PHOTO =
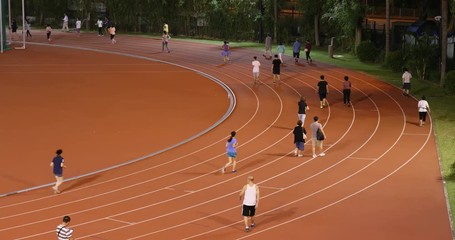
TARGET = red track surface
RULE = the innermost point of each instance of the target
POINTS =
(379, 180)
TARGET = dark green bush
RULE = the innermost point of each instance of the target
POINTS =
(450, 82)
(366, 51)
(396, 60)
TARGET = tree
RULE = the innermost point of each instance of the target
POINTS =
(443, 36)
(312, 13)
(346, 17)
(387, 28)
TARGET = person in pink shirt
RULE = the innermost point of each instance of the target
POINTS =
(112, 33)
(165, 41)
(347, 91)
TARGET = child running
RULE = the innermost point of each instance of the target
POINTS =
(231, 150)
(78, 27)
(28, 27)
(225, 53)
(48, 32)
(112, 33)
(57, 165)
(165, 41)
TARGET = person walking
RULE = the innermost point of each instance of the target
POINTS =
(57, 164)
(99, 24)
(250, 196)
(296, 50)
(28, 28)
(231, 150)
(63, 232)
(276, 69)
(406, 77)
(65, 23)
(424, 108)
(299, 139)
(256, 64)
(48, 32)
(111, 31)
(308, 50)
(280, 49)
(78, 27)
(316, 138)
(14, 29)
(225, 53)
(303, 107)
(323, 90)
(268, 47)
(347, 91)
(165, 41)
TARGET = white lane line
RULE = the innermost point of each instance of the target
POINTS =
(275, 188)
(364, 158)
(415, 134)
(120, 221)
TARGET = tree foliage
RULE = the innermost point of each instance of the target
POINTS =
(230, 19)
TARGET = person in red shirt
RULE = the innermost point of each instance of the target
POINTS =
(308, 50)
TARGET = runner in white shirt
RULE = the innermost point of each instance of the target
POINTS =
(423, 107)
(406, 81)
(256, 64)
(99, 24)
(250, 195)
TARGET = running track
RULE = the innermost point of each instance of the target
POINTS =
(380, 178)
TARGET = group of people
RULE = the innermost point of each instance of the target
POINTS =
(108, 27)
(277, 58)
(14, 28)
(250, 192)
(281, 49)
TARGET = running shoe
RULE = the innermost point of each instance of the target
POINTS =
(322, 154)
(247, 229)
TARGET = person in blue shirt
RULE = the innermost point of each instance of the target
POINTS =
(231, 151)
(57, 165)
(296, 50)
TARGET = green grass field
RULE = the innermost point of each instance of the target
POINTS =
(441, 104)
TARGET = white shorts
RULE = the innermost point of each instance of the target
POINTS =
(255, 74)
(302, 117)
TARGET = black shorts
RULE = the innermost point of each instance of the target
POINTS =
(322, 95)
(407, 86)
(423, 116)
(248, 211)
(296, 54)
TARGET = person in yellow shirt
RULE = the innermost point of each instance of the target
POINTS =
(166, 28)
